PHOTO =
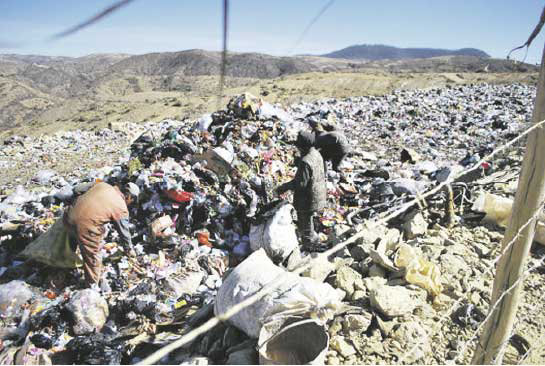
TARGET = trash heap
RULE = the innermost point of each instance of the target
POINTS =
(207, 232)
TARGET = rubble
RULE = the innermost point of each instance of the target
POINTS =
(392, 301)
(415, 225)
(207, 191)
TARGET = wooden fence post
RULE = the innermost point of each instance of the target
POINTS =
(528, 199)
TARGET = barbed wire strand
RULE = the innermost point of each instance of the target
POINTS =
(495, 305)
(527, 317)
(91, 20)
(223, 66)
(156, 356)
(489, 269)
(310, 24)
(536, 31)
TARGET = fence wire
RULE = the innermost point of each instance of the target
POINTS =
(489, 270)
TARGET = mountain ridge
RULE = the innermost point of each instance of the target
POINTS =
(374, 52)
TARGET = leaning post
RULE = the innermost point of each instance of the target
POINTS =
(528, 200)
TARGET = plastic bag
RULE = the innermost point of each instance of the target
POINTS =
(53, 248)
(95, 349)
(498, 211)
(419, 271)
(294, 297)
(276, 235)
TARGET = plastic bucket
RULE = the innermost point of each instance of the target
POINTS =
(303, 342)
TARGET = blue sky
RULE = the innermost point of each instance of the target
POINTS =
(273, 27)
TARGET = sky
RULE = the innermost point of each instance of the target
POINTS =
(272, 27)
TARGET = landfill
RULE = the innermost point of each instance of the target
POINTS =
(208, 207)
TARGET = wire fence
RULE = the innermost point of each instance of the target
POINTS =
(475, 334)
(383, 219)
(488, 270)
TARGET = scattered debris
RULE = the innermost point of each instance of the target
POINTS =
(208, 232)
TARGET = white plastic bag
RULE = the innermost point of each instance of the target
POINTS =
(498, 211)
(276, 235)
(294, 297)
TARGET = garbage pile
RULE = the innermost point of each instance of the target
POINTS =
(209, 231)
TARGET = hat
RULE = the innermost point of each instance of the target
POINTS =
(133, 189)
(304, 140)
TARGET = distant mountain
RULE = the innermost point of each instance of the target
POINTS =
(382, 52)
(99, 87)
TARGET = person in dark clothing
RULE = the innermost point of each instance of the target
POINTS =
(309, 187)
(85, 221)
(332, 144)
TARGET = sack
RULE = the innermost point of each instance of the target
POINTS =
(53, 248)
(294, 297)
(276, 233)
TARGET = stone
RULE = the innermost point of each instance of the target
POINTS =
(336, 326)
(376, 271)
(89, 311)
(320, 269)
(411, 335)
(452, 265)
(360, 252)
(333, 361)
(414, 225)
(357, 323)
(392, 301)
(348, 279)
(339, 344)
(371, 283)
(358, 295)
(385, 326)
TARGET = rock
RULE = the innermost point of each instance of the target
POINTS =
(452, 265)
(247, 356)
(392, 300)
(343, 347)
(358, 295)
(320, 269)
(357, 323)
(89, 311)
(360, 252)
(333, 361)
(371, 283)
(385, 326)
(412, 335)
(13, 295)
(380, 258)
(348, 280)
(335, 326)
(376, 271)
(414, 225)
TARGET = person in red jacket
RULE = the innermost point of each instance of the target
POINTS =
(85, 221)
